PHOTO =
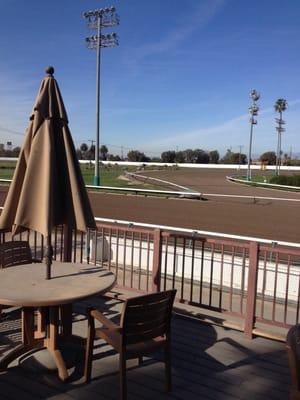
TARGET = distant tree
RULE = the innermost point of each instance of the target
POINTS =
(287, 159)
(201, 156)
(234, 158)
(168, 156)
(280, 106)
(180, 157)
(84, 147)
(137, 156)
(189, 155)
(15, 152)
(227, 157)
(269, 158)
(79, 154)
(295, 162)
(103, 152)
(155, 159)
(90, 153)
(82, 151)
(112, 157)
(214, 156)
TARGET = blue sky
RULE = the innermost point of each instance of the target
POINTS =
(180, 78)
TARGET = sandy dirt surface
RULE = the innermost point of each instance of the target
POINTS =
(214, 181)
(270, 219)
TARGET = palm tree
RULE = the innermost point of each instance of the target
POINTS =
(280, 106)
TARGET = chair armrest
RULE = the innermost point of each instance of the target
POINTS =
(107, 323)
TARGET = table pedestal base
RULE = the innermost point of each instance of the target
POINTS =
(53, 329)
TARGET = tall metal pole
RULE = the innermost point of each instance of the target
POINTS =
(278, 149)
(279, 129)
(280, 106)
(96, 179)
(249, 154)
(253, 112)
(240, 156)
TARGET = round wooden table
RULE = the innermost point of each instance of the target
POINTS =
(26, 286)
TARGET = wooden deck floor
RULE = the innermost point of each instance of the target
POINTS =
(208, 363)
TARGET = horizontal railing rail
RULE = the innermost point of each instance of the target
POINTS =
(263, 184)
(156, 181)
(144, 191)
(198, 232)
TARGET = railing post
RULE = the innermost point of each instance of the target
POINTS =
(251, 290)
(67, 253)
(156, 270)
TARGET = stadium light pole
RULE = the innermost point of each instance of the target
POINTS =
(279, 128)
(253, 109)
(99, 19)
(240, 155)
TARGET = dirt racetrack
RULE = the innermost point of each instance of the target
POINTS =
(270, 219)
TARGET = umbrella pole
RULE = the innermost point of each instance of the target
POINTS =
(48, 257)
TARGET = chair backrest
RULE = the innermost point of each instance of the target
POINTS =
(14, 253)
(147, 317)
(293, 347)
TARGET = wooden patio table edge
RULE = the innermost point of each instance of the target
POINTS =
(57, 316)
(53, 284)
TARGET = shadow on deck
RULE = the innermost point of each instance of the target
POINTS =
(208, 362)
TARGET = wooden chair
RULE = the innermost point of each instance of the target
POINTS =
(144, 329)
(293, 349)
(14, 253)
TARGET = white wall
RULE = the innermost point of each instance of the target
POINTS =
(183, 165)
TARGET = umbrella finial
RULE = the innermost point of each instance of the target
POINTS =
(49, 71)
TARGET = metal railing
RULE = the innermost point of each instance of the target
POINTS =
(259, 283)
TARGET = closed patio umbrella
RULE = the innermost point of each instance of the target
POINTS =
(47, 188)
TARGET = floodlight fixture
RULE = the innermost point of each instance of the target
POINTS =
(108, 40)
(254, 95)
(106, 16)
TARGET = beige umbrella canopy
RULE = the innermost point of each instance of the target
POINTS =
(47, 188)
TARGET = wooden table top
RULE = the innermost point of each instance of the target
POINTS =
(25, 285)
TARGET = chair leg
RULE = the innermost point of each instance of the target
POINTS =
(123, 383)
(89, 349)
(140, 360)
(168, 371)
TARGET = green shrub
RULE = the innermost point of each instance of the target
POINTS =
(293, 180)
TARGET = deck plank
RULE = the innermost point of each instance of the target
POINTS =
(208, 362)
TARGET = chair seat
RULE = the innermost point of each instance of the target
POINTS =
(144, 348)
(114, 338)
